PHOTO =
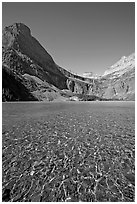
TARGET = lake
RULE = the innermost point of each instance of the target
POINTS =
(85, 149)
(14, 112)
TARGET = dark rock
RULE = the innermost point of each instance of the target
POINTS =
(6, 195)
(13, 88)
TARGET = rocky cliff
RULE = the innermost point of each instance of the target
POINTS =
(30, 73)
(118, 82)
(24, 54)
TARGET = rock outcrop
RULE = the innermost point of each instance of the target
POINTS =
(24, 54)
(29, 69)
(118, 82)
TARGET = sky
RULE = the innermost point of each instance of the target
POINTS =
(80, 36)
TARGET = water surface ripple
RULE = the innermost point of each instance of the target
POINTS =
(75, 151)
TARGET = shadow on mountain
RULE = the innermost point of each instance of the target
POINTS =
(13, 88)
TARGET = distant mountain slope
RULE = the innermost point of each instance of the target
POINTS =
(30, 73)
(121, 79)
(123, 65)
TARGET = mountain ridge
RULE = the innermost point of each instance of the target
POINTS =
(45, 80)
(121, 64)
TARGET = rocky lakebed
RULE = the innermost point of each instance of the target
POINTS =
(71, 151)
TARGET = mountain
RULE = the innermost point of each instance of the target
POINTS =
(121, 79)
(123, 65)
(117, 83)
(30, 73)
(24, 54)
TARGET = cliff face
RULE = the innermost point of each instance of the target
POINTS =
(121, 86)
(24, 54)
(31, 70)
(118, 82)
